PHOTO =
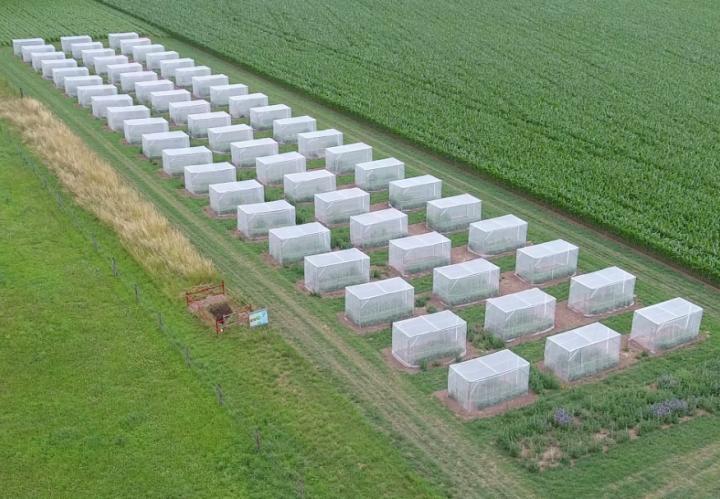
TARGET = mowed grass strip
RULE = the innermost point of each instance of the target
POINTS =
(97, 401)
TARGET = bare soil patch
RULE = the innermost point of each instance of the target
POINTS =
(460, 254)
(218, 216)
(510, 283)
(379, 206)
(185, 193)
(416, 229)
(488, 412)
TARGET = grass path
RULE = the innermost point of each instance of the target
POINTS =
(438, 439)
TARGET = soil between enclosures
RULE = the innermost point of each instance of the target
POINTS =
(488, 412)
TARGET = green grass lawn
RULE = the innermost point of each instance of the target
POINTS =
(97, 401)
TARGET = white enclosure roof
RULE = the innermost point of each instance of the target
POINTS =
(341, 194)
(583, 336)
(503, 222)
(380, 163)
(280, 205)
(235, 186)
(661, 313)
(415, 181)
(601, 278)
(378, 288)
(274, 158)
(489, 366)
(522, 299)
(341, 256)
(374, 217)
(452, 201)
(464, 269)
(292, 231)
(430, 323)
(418, 241)
(308, 175)
(548, 249)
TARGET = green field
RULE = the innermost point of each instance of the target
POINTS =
(458, 459)
(98, 401)
(604, 109)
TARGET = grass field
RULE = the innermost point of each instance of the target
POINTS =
(463, 458)
(606, 110)
(97, 401)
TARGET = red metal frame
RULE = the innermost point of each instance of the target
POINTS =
(201, 293)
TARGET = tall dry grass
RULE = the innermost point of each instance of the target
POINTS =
(146, 234)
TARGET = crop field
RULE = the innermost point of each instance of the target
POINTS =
(606, 110)
(386, 432)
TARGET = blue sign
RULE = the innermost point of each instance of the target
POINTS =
(258, 318)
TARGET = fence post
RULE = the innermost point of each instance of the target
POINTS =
(137, 293)
(114, 266)
(219, 394)
(161, 323)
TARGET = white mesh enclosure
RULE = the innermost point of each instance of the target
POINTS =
(72, 83)
(255, 220)
(66, 42)
(128, 80)
(174, 161)
(89, 56)
(136, 128)
(127, 45)
(466, 282)
(295, 242)
(602, 291)
(117, 116)
(19, 43)
(219, 94)
(100, 103)
(497, 235)
(102, 63)
(313, 144)
(667, 324)
(342, 159)
(114, 39)
(377, 227)
(59, 74)
(201, 84)
(327, 272)
(419, 253)
(184, 76)
(240, 105)
(199, 177)
(379, 302)
(220, 138)
(414, 192)
(582, 352)
(336, 207)
(160, 101)
(153, 144)
(453, 213)
(247, 152)
(143, 89)
(87, 92)
(488, 380)
(301, 187)
(271, 169)
(48, 66)
(179, 111)
(169, 66)
(38, 58)
(140, 52)
(519, 314)
(225, 197)
(29, 50)
(198, 124)
(115, 71)
(76, 49)
(376, 175)
(153, 60)
(261, 118)
(547, 261)
(285, 130)
(428, 337)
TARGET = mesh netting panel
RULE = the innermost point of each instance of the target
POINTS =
(602, 291)
(313, 144)
(377, 227)
(86, 93)
(272, 169)
(247, 152)
(453, 213)
(582, 352)
(198, 124)
(488, 380)
(667, 324)
(255, 220)
(184, 76)
(115, 71)
(219, 94)
(379, 301)
(127, 45)
(174, 161)
(547, 261)
(220, 138)
(376, 175)
(225, 197)
(128, 80)
(342, 159)
(135, 129)
(240, 105)
(466, 282)
(293, 243)
(153, 144)
(519, 314)
(201, 84)
(144, 89)
(179, 111)
(414, 192)
(199, 177)
(419, 253)
(72, 83)
(428, 337)
(114, 39)
(169, 67)
(285, 130)
(332, 271)
(116, 116)
(336, 207)
(261, 118)
(300, 187)
(153, 61)
(497, 235)
(66, 42)
(100, 103)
